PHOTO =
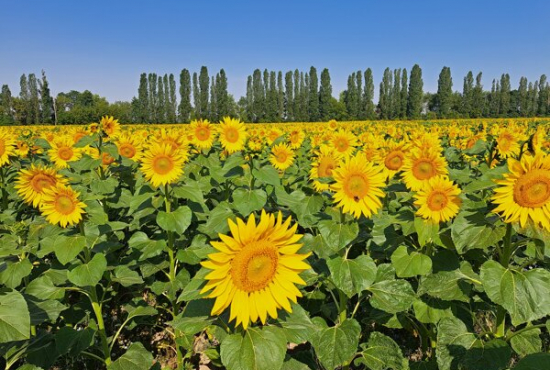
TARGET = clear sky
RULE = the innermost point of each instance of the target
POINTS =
(103, 46)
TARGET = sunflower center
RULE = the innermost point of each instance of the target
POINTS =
(341, 145)
(533, 189)
(254, 267)
(231, 134)
(325, 167)
(2, 147)
(281, 157)
(437, 201)
(356, 187)
(127, 150)
(394, 160)
(202, 133)
(64, 204)
(163, 164)
(423, 169)
(504, 144)
(65, 153)
(41, 182)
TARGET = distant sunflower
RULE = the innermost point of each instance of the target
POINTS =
(327, 160)
(110, 126)
(129, 146)
(232, 134)
(162, 165)
(281, 156)
(60, 205)
(420, 166)
(524, 193)
(438, 201)
(7, 147)
(203, 134)
(393, 156)
(344, 142)
(296, 138)
(507, 144)
(256, 269)
(62, 152)
(358, 187)
(31, 183)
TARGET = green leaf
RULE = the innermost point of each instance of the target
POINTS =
(73, 342)
(428, 310)
(525, 295)
(148, 248)
(126, 277)
(68, 247)
(195, 317)
(493, 355)
(337, 236)
(453, 342)
(527, 342)
(44, 288)
(196, 252)
(409, 265)
(191, 190)
(177, 221)
(135, 358)
(247, 201)
(14, 272)
(297, 325)
(352, 276)
(106, 187)
(428, 232)
(217, 220)
(137, 311)
(381, 352)
(88, 274)
(193, 288)
(392, 296)
(254, 349)
(15, 320)
(447, 285)
(536, 361)
(472, 230)
(42, 311)
(267, 174)
(336, 346)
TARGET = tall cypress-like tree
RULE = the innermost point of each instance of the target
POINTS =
(385, 99)
(204, 82)
(184, 109)
(313, 96)
(34, 99)
(143, 109)
(249, 100)
(403, 99)
(25, 99)
(416, 85)
(369, 95)
(222, 95)
(396, 94)
(172, 116)
(161, 112)
(544, 96)
(153, 98)
(196, 97)
(444, 93)
(352, 97)
(467, 94)
(167, 102)
(272, 106)
(361, 111)
(296, 105)
(46, 101)
(289, 97)
(494, 99)
(478, 100)
(505, 89)
(522, 103)
(325, 95)
(280, 97)
(535, 99)
(213, 105)
(258, 110)
(7, 103)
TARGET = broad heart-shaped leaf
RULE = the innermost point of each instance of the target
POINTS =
(409, 265)
(148, 248)
(392, 296)
(68, 247)
(453, 342)
(536, 361)
(177, 221)
(267, 174)
(13, 272)
(15, 320)
(69, 340)
(381, 353)
(126, 277)
(527, 343)
(429, 310)
(88, 274)
(195, 317)
(428, 232)
(337, 235)
(352, 276)
(217, 220)
(452, 285)
(135, 358)
(525, 295)
(336, 346)
(472, 230)
(254, 349)
(44, 311)
(247, 201)
(493, 355)
(297, 325)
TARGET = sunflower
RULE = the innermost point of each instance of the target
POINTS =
(344, 142)
(281, 156)
(393, 156)
(232, 134)
(327, 160)
(296, 138)
(32, 182)
(62, 152)
(255, 269)
(60, 205)
(203, 135)
(358, 187)
(110, 126)
(273, 135)
(163, 165)
(438, 201)
(129, 146)
(422, 165)
(7, 147)
(524, 193)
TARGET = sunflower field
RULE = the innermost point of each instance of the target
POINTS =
(337, 245)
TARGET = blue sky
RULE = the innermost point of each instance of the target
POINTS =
(103, 46)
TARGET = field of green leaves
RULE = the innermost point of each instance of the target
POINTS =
(352, 245)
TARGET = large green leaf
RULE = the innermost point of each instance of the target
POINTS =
(337, 345)
(473, 230)
(337, 235)
(135, 358)
(14, 272)
(525, 295)
(177, 221)
(72, 341)
(453, 342)
(247, 201)
(527, 342)
(381, 353)
(195, 317)
(68, 247)
(148, 248)
(454, 285)
(297, 325)
(429, 310)
(392, 296)
(410, 264)
(15, 320)
(254, 349)
(537, 361)
(88, 274)
(493, 355)
(352, 276)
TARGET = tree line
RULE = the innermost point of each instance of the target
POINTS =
(274, 96)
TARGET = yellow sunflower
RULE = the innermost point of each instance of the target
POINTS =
(203, 134)
(422, 165)
(129, 146)
(62, 152)
(281, 156)
(60, 205)
(524, 193)
(393, 156)
(7, 147)
(296, 138)
(327, 160)
(232, 134)
(32, 183)
(438, 201)
(344, 142)
(163, 165)
(256, 269)
(358, 187)
(110, 126)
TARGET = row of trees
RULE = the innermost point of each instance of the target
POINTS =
(272, 96)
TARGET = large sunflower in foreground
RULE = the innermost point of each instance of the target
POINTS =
(438, 201)
(7, 147)
(358, 187)
(32, 183)
(255, 269)
(163, 165)
(281, 156)
(232, 134)
(60, 205)
(420, 166)
(524, 193)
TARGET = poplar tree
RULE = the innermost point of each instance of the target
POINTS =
(271, 97)
(361, 111)
(184, 109)
(289, 97)
(46, 101)
(143, 100)
(153, 104)
(444, 93)
(280, 97)
(7, 104)
(522, 104)
(204, 81)
(172, 116)
(385, 99)
(369, 95)
(222, 96)
(296, 104)
(404, 83)
(544, 96)
(478, 100)
(258, 111)
(305, 98)
(249, 100)
(351, 97)
(535, 99)
(161, 113)
(34, 99)
(395, 110)
(325, 95)
(504, 101)
(416, 85)
(196, 97)
(213, 105)
(313, 95)
(467, 95)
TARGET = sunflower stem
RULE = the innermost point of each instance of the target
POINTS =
(507, 249)
(4, 192)
(343, 306)
(97, 307)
